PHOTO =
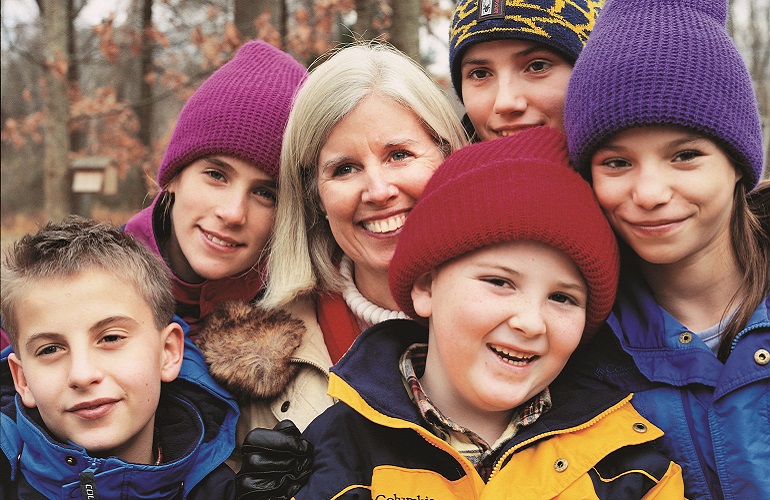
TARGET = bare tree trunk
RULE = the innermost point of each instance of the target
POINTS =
(57, 140)
(748, 24)
(144, 110)
(77, 138)
(366, 13)
(405, 27)
(247, 11)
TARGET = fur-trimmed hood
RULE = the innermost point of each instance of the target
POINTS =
(250, 350)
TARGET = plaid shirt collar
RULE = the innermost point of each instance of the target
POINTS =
(465, 441)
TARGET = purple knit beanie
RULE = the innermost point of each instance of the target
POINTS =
(663, 62)
(562, 26)
(240, 110)
(513, 188)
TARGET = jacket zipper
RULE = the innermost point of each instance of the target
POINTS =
(504, 456)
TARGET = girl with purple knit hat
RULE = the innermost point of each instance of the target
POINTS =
(661, 117)
(214, 214)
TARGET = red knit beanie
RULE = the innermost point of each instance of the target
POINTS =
(515, 188)
(240, 110)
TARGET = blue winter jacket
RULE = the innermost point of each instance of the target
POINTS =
(196, 422)
(715, 416)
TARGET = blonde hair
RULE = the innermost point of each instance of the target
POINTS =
(303, 252)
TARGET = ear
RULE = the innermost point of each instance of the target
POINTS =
(172, 339)
(422, 295)
(20, 381)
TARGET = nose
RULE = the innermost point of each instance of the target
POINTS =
(231, 209)
(511, 96)
(84, 371)
(651, 187)
(526, 317)
(379, 187)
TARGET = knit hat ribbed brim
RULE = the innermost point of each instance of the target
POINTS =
(561, 25)
(515, 188)
(240, 110)
(663, 62)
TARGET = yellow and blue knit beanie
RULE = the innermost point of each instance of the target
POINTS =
(563, 25)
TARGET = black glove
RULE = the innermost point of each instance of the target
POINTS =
(276, 463)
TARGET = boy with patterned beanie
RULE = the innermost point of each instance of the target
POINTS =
(509, 261)
(510, 61)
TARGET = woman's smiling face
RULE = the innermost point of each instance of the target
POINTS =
(371, 170)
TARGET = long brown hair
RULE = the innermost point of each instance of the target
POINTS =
(750, 232)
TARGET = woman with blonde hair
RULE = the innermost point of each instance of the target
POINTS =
(367, 130)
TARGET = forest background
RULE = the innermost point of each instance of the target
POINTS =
(89, 79)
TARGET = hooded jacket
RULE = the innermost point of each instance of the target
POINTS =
(716, 416)
(590, 444)
(196, 427)
(193, 300)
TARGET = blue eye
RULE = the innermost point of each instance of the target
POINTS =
(342, 170)
(401, 155)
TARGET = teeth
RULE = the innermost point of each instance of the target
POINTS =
(513, 357)
(219, 242)
(504, 133)
(386, 225)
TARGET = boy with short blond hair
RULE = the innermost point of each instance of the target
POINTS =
(509, 260)
(111, 400)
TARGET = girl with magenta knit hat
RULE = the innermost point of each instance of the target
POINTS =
(662, 118)
(214, 214)
(508, 284)
(510, 61)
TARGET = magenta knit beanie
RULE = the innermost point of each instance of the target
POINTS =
(663, 62)
(514, 188)
(240, 110)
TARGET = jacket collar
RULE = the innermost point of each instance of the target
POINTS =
(371, 369)
(663, 349)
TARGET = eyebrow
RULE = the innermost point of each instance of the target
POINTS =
(481, 60)
(41, 337)
(689, 139)
(111, 320)
(340, 160)
(569, 285)
(267, 183)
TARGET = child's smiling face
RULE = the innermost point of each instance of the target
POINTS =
(91, 360)
(504, 320)
(512, 85)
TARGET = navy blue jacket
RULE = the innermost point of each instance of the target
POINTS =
(373, 443)
(196, 422)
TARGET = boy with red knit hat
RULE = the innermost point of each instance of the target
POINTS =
(509, 261)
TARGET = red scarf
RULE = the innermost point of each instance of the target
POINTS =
(338, 325)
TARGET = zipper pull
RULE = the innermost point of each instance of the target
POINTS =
(88, 482)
